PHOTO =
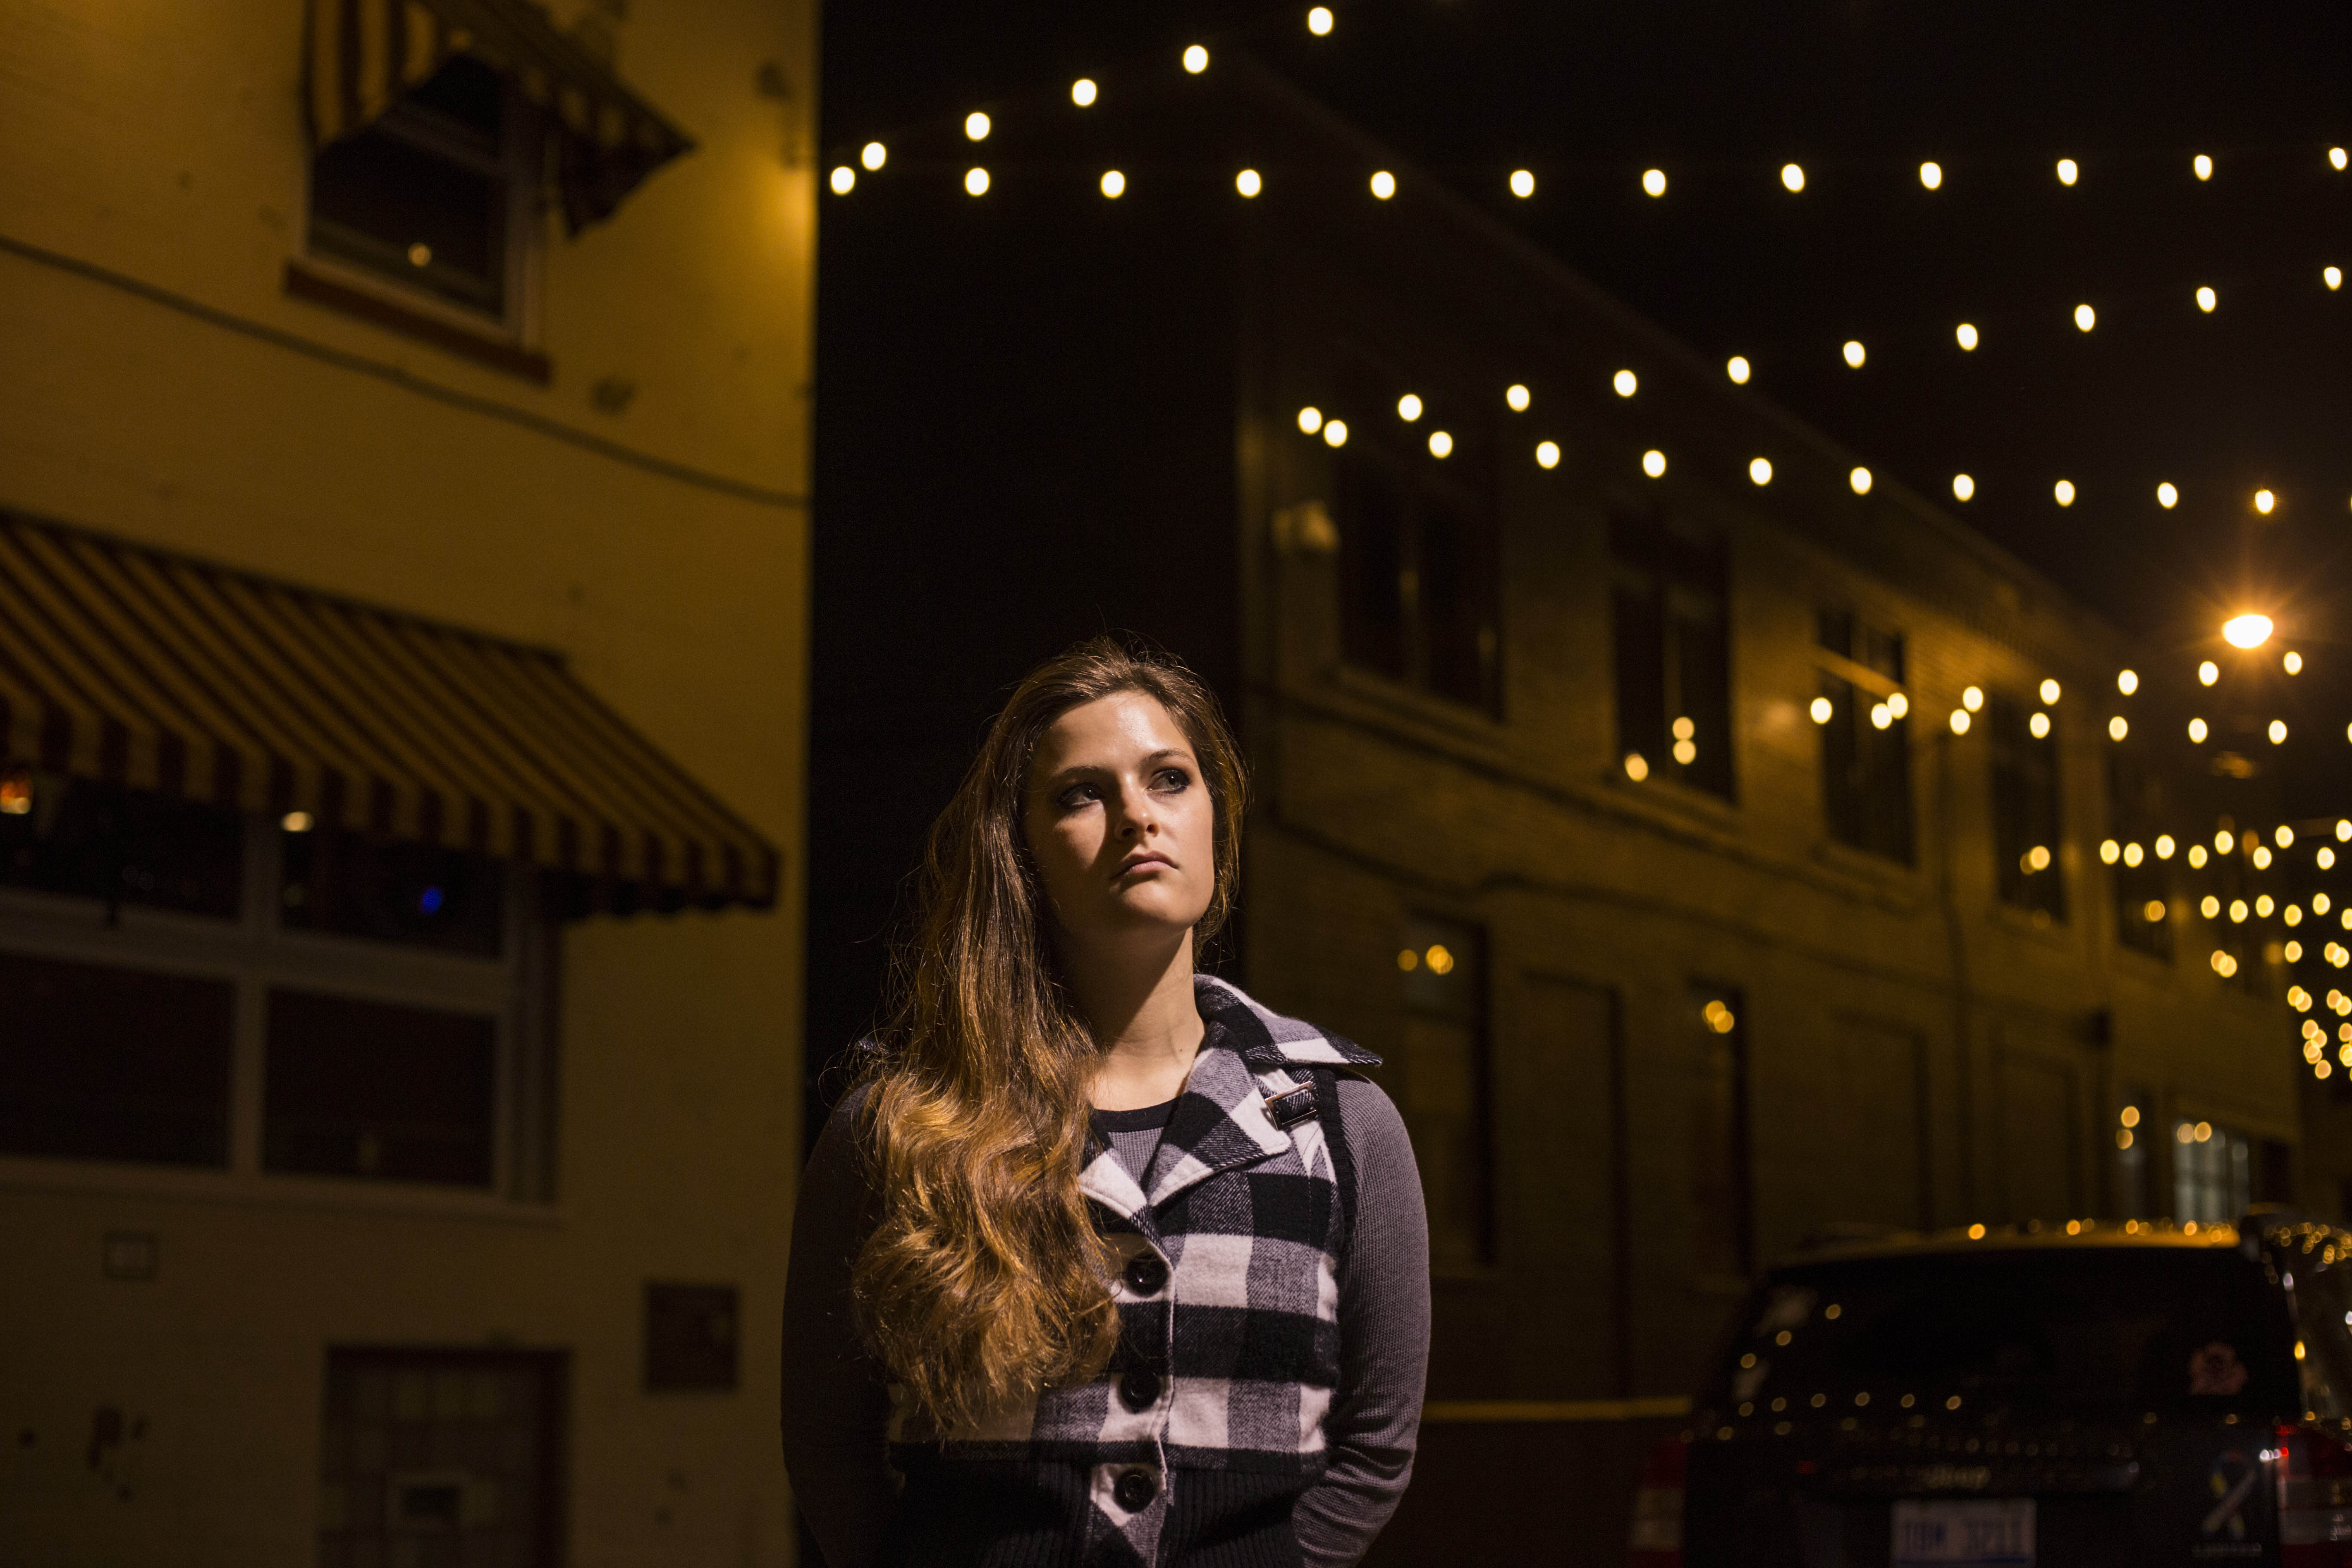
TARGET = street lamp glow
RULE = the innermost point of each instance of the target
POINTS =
(1966, 334)
(1654, 463)
(1854, 353)
(1247, 183)
(873, 155)
(976, 126)
(1196, 59)
(1736, 368)
(1931, 174)
(1860, 481)
(2167, 496)
(2246, 631)
(1083, 92)
(1654, 181)
(1523, 183)
(1760, 470)
(1383, 184)
(1793, 176)
(1963, 487)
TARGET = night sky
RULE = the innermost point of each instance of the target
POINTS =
(2257, 394)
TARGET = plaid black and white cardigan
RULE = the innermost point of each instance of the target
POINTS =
(1208, 1424)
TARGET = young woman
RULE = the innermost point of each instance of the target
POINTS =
(1103, 1262)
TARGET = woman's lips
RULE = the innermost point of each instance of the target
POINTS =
(1142, 862)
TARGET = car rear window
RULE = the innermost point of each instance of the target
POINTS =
(2094, 1330)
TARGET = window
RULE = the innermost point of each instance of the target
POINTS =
(1723, 1205)
(1670, 624)
(436, 194)
(2025, 808)
(1865, 739)
(2143, 888)
(390, 1003)
(2134, 1129)
(442, 1456)
(2212, 1172)
(1442, 1086)
(1419, 594)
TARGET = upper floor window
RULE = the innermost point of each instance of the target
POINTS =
(2137, 870)
(2025, 825)
(1420, 588)
(1443, 1086)
(439, 194)
(1863, 715)
(1670, 622)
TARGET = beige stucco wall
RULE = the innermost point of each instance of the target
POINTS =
(161, 146)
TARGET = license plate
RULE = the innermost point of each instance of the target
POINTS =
(1992, 1534)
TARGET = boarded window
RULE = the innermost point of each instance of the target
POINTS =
(1670, 631)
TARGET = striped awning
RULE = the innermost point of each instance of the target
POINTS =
(130, 666)
(361, 55)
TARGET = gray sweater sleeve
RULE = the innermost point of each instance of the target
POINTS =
(836, 1402)
(1375, 1415)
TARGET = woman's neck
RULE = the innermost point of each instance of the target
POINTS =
(1146, 1026)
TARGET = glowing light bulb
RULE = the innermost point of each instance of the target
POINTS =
(1880, 716)
(1408, 408)
(2164, 845)
(1760, 470)
(2050, 691)
(2247, 631)
(2291, 663)
(1113, 183)
(2332, 276)
(2086, 318)
(1654, 463)
(2067, 172)
(873, 155)
(2038, 726)
(1523, 183)
(1972, 699)
(1196, 59)
(1517, 397)
(1854, 353)
(2128, 681)
(1547, 454)
(1441, 444)
(2278, 732)
(1736, 368)
(2167, 496)
(2336, 155)
(2203, 166)
(975, 180)
(1248, 182)
(2133, 854)
(1793, 176)
(976, 126)
(1310, 419)
(2111, 851)
(2197, 731)
(1963, 487)
(1860, 481)
(845, 180)
(2207, 298)
(1966, 334)
(1319, 21)
(1335, 432)
(1654, 181)
(2284, 838)
(1823, 710)
(1931, 174)
(1959, 721)
(2197, 857)
(2208, 673)
(1637, 767)
(2263, 502)
(1626, 383)
(1898, 704)
(2118, 727)
(2064, 492)
(1383, 184)
(1083, 92)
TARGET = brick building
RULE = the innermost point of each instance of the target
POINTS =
(1610, 772)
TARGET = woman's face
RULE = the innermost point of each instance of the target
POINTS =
(1120, 821)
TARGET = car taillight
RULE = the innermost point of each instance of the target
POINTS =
(1658, 1537)
(2311, 1471)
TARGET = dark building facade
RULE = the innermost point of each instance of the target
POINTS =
(1714, 842)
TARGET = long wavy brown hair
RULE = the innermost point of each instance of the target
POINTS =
(985, 1280)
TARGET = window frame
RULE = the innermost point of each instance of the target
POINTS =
(1848, 681)
(1668, 579)
(254, 952)
(2011, 882)
(520, 160)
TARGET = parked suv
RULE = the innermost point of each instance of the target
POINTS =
(2096, 1393)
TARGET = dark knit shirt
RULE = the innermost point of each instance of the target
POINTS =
(835, 1403)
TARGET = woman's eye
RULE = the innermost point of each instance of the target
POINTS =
(1174, 778)
(1078, 796)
